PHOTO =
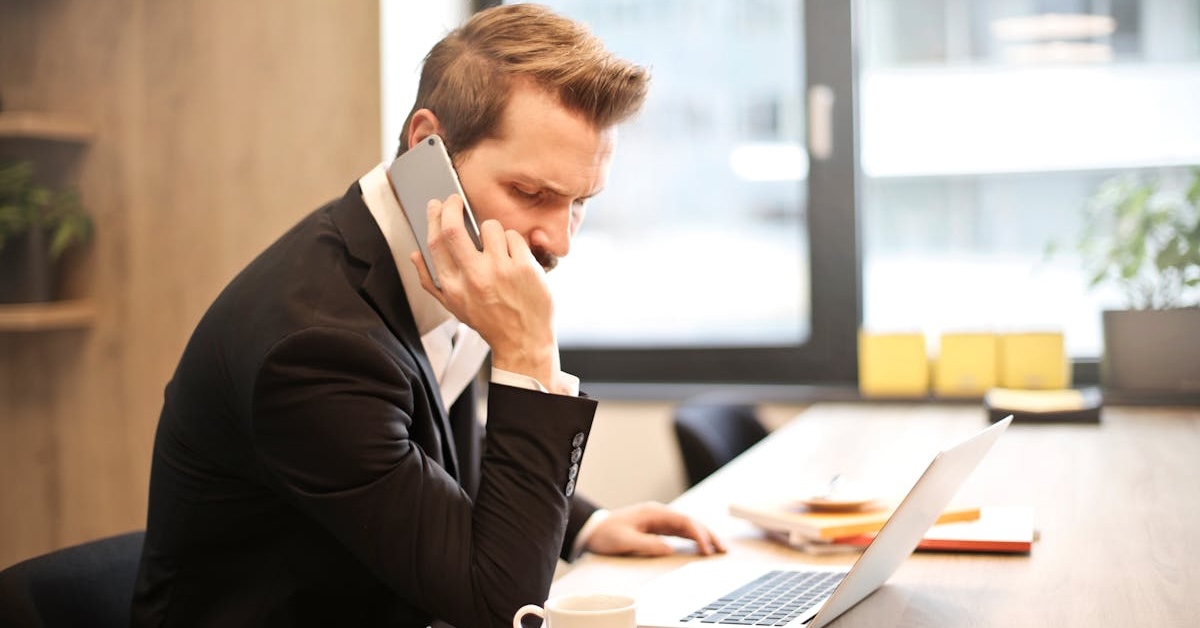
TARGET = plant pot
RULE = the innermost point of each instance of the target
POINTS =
(26, 272)
(1152, 353)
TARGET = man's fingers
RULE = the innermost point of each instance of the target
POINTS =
(453, 227)
(433, 238)
(708, 542)
(418, 261)
(663, 520)
(643, 544)
(686, 527)
(718, 544)
(450, 246)
(494, 239)
(518, 248)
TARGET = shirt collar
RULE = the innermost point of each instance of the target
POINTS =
(389, 215)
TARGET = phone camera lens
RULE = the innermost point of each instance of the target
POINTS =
(430, 140)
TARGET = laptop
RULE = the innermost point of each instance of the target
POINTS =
(728, 592)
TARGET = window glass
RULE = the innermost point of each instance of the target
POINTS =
(985, 127)
(699, 237)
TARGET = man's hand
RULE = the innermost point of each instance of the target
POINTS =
(500, 292)
(634, 530)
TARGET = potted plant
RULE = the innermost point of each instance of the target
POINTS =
(1141, 235)
(37, 224)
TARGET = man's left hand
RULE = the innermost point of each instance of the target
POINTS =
(635, 531)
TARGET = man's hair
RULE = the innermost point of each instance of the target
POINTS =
(468, 76)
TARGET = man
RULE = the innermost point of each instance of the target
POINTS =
(318, 461)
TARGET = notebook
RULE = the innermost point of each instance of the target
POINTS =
(726, 592)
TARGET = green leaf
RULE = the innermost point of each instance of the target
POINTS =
(1141, 235)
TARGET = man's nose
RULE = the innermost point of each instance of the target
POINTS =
(553, 232)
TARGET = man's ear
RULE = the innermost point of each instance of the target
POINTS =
(424, 123)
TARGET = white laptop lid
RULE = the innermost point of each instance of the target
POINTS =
(669, 598)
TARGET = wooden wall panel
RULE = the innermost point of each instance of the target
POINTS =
(219, 123)
(28, 453)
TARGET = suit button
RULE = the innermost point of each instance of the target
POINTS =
(572, 472)
(569, 490)
(576, 455)
(578, 440)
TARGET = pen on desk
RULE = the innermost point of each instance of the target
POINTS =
(831, 487)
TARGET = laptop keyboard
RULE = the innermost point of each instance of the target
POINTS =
(773, 599)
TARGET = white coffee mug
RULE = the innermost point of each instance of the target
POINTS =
(594, 610)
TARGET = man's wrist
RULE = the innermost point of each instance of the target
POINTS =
(585, 532)
(564, 383)
(539, 365)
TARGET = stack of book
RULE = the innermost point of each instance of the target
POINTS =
(958, 528)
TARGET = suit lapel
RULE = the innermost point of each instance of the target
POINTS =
(383, 289)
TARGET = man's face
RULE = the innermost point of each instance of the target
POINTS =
(536, 177)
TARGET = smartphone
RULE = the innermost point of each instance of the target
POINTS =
(420, 174)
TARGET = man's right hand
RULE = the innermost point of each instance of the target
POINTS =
(500, 292)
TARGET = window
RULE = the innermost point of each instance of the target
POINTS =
(958, 139)
(986, 125)
(695, 263)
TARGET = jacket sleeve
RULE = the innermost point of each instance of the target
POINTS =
(335, 422)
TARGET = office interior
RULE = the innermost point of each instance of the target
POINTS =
(215, 125)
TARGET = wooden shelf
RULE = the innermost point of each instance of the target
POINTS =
(56, 315)
(44, 126)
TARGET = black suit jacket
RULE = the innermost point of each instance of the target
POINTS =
(306, 474)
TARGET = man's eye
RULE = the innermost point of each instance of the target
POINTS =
(527, 193)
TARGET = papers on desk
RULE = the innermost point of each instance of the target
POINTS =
(992, 529)
(803, 524)
(999, 529)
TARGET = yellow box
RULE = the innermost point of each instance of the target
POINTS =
(966, 365)
(892, 365)
(1033, 361)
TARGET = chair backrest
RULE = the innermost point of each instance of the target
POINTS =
(84, 585)
(711, 433)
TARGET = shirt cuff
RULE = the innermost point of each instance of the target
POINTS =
(516, 380)
(585, 532)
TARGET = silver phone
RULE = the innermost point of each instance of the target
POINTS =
(422, 173)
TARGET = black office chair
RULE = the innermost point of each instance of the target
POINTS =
(88, 585)
(710, 433)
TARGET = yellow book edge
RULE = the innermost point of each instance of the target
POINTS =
(803, 524)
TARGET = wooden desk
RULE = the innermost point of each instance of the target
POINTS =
(1117, 506)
